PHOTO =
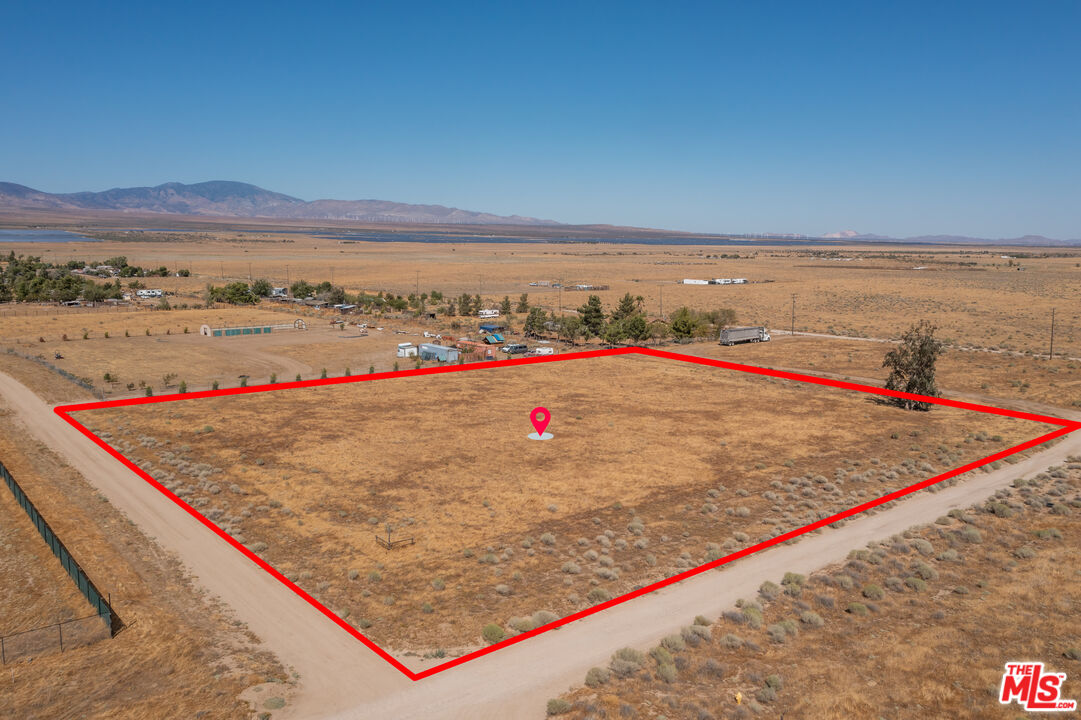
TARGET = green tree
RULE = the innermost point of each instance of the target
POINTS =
(912, 365)
(684, 324)
(592, 315)
(261, 287)
(627, 306)
(465, 304)
(614, 332)
(636, 327)
(504, 306)
(534, 323)
(301, 289)
(523, 304)
(571, 328)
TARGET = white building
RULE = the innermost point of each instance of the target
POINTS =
(147, 294)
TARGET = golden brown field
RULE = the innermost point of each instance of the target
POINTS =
(914, 627)
(656, 467)
(180, 654)
(975, 295)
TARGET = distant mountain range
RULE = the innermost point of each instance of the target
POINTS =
(1034, 240)
(228, 199)
(222, 198)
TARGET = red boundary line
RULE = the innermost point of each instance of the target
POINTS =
(1066, 427)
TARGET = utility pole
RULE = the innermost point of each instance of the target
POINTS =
(249, 272)
(221, 266)
(661, 288)
(561, 298)
(1051, 353)
(286, 276)
(418, 285)
(792, 327)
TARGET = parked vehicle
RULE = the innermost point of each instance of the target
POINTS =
(542, 351)
(732, 336)
(514, 349)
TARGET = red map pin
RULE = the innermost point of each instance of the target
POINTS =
(540, 418)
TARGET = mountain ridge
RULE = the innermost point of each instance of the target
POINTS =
(228, 198)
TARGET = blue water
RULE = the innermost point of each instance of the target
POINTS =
(42, 236)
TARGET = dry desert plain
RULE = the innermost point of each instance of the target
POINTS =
(993, 310)
(657, 466)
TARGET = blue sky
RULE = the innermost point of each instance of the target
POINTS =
(889, 117)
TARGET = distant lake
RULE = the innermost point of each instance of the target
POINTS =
(42, 236)
(421, 237)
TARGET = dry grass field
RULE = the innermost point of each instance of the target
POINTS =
(656, 466)
(180, 654)
(36, 591)
(977, 296)
(914, 627)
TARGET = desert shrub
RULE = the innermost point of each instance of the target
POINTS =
(971, 535)
(503, 589)
(375, 576)
(543, 617)
(354, 574)
(732, 642)
(916, 583)
(558, 706)
(597, 677)
(810, 618)
(548, 539)
(661, 655)
(599, 595)
(775, 682)
(950, 555)
(1049, 534)
(1024, 552)
(824, 600)
(427, 608)
(923, 547)
(1072, 654)
(776, 633)
(667, 673)
(438, 584)
(766, 694)
(702, 620)
(856, 608)
(895, 583)
(626, 661)
(961, 590)
(769, 590)
(791, 578)
(692, 634)
(873, 592)
(571, 568)
(925, 571)
(998, 509)
(492, 633)
(674, 643)
(753, 617)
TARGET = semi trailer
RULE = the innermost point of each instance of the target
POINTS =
(731, 336)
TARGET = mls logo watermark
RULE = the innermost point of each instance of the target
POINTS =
(1033, 689)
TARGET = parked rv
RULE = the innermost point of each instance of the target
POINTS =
(488, 313)
(732, 336)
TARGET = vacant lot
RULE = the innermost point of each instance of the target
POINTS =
(656, 467)
(914, 627)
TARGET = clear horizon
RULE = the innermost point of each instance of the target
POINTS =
(782, 118)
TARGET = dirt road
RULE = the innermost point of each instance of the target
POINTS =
(340, 678)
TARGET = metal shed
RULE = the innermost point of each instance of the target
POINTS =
(438, 352)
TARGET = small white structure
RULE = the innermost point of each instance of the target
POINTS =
(688, 281)
(279, 292)
(407, 350)
(721, 281)
(542, 351)
(147, 294)
(488, 313)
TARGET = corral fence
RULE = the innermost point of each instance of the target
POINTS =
(100, 602)
(388, 544)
